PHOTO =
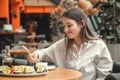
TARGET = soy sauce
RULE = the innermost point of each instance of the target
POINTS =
(7, 61)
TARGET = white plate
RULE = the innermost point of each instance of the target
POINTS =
(33, 74)
(51, 67)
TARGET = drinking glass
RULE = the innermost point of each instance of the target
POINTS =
(7, 60)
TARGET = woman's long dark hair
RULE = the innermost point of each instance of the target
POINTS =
(86, 33)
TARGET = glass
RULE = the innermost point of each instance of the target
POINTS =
(7, 60)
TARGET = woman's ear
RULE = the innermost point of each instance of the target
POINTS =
(83, 23)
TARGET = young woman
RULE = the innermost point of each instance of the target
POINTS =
(80, 50)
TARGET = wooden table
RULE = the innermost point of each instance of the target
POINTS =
(56, 74)
(30, 44)
(33, 44)
(21, 51)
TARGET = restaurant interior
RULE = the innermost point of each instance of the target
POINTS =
(36, 24)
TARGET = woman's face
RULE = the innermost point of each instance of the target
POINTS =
(71, 28)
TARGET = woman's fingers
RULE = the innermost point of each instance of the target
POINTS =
(33, 58)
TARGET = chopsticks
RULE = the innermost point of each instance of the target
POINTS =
(28, 51)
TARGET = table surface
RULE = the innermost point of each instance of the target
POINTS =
(30, 44)
(21, 51)
(55, 74)
(33, 44)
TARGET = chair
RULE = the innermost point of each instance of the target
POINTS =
(116, 67)
(115, 74)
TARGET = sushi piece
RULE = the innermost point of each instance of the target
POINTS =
(18, 69)
(29, 69)
(40, 67)
(5, 69)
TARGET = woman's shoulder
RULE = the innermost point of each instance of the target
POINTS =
(60, 42)
(98, 41)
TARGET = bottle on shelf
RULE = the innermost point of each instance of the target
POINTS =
(7, 60)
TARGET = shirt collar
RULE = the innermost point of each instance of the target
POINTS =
(86, 43)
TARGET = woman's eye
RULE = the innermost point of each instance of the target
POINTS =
(69, 25)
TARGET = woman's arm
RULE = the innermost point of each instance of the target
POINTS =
(103, 63)
(47, 54)
(40, 55)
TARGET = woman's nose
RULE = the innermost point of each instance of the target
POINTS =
(65, 29)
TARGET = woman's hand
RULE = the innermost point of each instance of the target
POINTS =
(32, 58)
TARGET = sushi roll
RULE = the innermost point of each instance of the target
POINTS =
(5, 69)
(29, 69)
(18, 69)
(40, 67)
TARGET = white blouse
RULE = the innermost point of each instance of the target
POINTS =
(93, 60)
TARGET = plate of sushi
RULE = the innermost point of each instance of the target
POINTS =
(23, 70)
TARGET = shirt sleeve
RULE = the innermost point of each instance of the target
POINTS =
(48, 54)
(104, 62)
(45, 54)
